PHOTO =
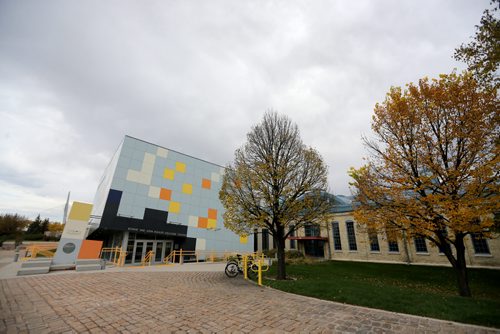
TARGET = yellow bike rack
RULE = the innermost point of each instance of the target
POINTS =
(260, 261)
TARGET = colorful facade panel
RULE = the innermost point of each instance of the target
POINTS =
(148, 178)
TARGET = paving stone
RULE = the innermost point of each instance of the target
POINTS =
(187, 302)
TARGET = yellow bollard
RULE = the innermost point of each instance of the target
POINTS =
(260, 272)
(245, 267)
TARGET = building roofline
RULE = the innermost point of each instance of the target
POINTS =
(187, 155)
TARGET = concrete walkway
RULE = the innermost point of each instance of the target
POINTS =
(192, 298)
(9, 269)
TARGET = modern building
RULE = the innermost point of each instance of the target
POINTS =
(154, 198)
(341, 238)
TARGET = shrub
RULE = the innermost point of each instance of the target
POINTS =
(301, 260)
(38, 236)
(293, 254)
(271, 253)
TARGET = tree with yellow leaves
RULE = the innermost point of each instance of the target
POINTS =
(275, 182)
(433, 166)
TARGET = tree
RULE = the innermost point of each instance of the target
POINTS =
(45, 225)
(433, 166)
(35, 227)
(482, 55)
(12, 224)
(55, 227)
(275, 182)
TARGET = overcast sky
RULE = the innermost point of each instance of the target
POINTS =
(194, 76)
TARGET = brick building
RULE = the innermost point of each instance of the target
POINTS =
(341, 238)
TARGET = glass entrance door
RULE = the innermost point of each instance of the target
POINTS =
(138, 251)
(149, 247)
(169, 245)
(159, 251)
(162, 248)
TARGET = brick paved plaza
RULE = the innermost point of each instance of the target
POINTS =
(207, 302)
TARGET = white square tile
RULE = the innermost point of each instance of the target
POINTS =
(154, 192)
(193, 221)
(161, 152)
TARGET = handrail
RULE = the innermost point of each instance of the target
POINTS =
(34, 250)
(179, 254)
(206, 255)
(148, 258)
(116, 255)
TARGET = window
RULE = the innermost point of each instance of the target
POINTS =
(292, 234)
(374, 246)
(265, 239)
(255, 241)
(351, 236)
(336, 236)
(420, 245)
(480, 244)
(393, 246)
(312, 230)
(392, 240)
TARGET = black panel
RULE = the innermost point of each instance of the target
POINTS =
(159, 216)
(111, 208)
(142, 226)
(188, 244)
(154, 221)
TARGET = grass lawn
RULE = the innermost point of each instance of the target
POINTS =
(419, 290)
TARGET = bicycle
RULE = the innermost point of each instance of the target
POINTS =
(234, 266)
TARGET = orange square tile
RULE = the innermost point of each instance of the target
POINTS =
(90, 249)
(212, 214)
(165, 194)
(206, 183)
(202, 222)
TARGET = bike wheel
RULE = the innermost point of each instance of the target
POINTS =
(252, 271)
(231, 269)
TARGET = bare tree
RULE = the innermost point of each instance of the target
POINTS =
(275, 182)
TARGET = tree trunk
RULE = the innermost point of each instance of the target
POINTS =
(280, 243)
(458, 263)
(461, 268)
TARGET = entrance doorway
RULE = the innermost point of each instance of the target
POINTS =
(314, 248)
(139, 249)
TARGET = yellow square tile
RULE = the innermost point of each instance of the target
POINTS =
(212, 223)
(174, 207)
(168, 174)
(243, 239)
(180, 167)
(187, 188)
(80, 211)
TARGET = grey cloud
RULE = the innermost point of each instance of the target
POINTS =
(194, 76)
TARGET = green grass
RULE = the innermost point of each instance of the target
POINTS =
(419, 290)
